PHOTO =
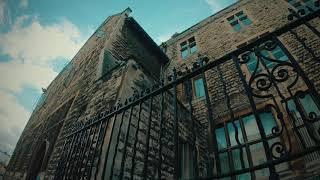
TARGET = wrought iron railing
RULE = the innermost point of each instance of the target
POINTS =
(141, 137)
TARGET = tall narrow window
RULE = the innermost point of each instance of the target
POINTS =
(239, 21)
(199, 88)
(108, 63)
(188, 47)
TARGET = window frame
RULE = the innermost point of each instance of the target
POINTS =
(194, 89)
(239, 18)
(187, 45)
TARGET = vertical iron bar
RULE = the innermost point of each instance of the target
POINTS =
(212, 144)
(78, 150)
(245, 138)
(146, 155)
(229, 151)
(160, 134)
(176, 128)
(108, 149)
(134, 149)
(194, 139)
(102, 142)
(124, 156)
(273, 173)
(84, 151)
(86, 159)
(56, 176)
(95, 149)
(68, 155)
(116, 147)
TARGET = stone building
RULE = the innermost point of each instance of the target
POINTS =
(235, 96)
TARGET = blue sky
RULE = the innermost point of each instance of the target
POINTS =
(38, 37)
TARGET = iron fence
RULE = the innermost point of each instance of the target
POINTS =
(278, 123)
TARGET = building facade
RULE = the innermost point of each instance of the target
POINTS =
(236, 96)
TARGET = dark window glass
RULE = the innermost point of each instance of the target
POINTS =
(109, 63)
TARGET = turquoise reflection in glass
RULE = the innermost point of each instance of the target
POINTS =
(232, 133)
(268, 122)
(223, 157)
(252, 63)
(199, 88)
(251, 127)
(237, 159)
(309, 105)
(221, 138)
(279, 54)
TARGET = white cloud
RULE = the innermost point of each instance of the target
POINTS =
(13, 119)
(38, 44)
(31, 46)
(15, 75)
(24, 4)
(217, 5)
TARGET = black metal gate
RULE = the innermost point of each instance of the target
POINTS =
(277, 127)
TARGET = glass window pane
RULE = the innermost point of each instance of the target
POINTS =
(268, 122)
(245, 176)
(236, 27)
(236, 156)
(221, 138)
(246, 21)
(257, 154)
(251, 127)
(199, 88)
(240, 14)
(184, 45)
(262, 173)
(192, 40)
(232, 133)
(309, 105)
(184, 53)
(279, 54)
(252, 63)
(223, 157)
(193, 48)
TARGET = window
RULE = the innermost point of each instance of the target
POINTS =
(248, 132)
(277, 54)
(306, 5)
(108, 63)
(239, 21)
(198, 88)
(188, 47)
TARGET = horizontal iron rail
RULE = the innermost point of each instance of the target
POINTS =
(208, 66)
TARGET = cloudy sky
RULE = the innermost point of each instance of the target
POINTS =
(38, 37)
